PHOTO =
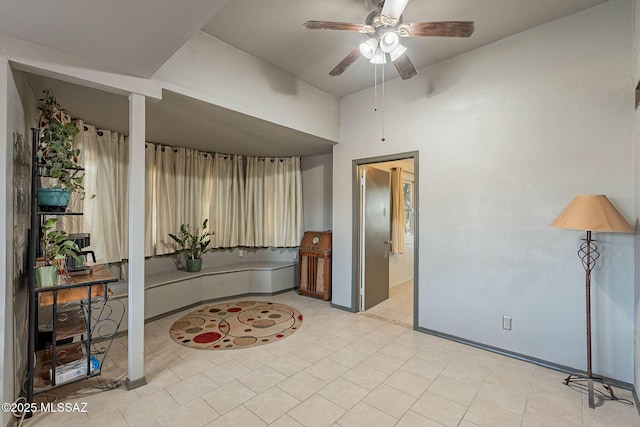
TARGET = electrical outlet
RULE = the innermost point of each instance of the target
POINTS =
(506, 323)
(241, 252)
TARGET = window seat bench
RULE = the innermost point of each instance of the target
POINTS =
(167, 292)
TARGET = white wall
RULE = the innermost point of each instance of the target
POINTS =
(317, 177)
(6, 284)
(401, 265)
(507, 135)
(15, 187)
(636, 128)
(208, 69)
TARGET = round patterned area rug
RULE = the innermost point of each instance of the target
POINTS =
(236, 325)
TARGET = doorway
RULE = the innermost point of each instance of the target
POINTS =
(386, 275)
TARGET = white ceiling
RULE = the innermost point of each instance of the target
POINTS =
(137, 37)
(130, 37)
(178, 120)
(273, 31)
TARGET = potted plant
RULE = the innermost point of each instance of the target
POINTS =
(57, 247)
(57, 158)
(193, 243)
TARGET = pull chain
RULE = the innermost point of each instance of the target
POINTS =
(383, 138)
(375, 87)
(375, 95)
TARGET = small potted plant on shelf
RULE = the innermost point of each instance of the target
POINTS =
(57, 247)
(56, 156)
(193, 243)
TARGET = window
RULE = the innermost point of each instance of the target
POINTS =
(409, 214)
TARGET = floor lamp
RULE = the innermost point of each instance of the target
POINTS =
(591, 213)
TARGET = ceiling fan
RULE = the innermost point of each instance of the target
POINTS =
(385, 26)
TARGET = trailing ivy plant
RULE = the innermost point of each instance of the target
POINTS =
(57, 158)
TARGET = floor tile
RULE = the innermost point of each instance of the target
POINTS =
(196, 413)
(229, 396)
(302, 385)
(289, 364)
(344, 393)
(413, 419)
(365, 376)
(316, 412)
(564, 404)
(148, 407)
(197, 366)
(285, 421)
(390, 400)
(191, 388)
(313, 353)
(111, 418)
(241, 417)
(407, 382)
(485, 413)
(347, 357)
(271, 404)
(509, 400)
(398, 351)
(326, 370)
(157, 382)
(365, 346)
(261, 379)
(363, 415)
(227, 371)
(425, 369)
(253, 358)
(453, 390)
(383, 362)
(440, 409)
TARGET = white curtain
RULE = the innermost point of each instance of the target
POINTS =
(185, 186)
(397, 211)
(166, 200)
(226, 200)
(149, 199)
(177, 193)
(104, 155)
(274, 202)
(255, 202)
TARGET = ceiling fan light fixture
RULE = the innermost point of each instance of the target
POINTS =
(379, 57)
(397, 52)
(389, 41)
(368, 48)
(393, 9)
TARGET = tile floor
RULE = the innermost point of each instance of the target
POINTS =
(398, 308)
(339, 369)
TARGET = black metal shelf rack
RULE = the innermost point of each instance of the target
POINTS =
(79, 312)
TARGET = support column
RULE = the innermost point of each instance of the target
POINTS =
(135, 372)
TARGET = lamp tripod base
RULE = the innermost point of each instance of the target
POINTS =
(584, 381)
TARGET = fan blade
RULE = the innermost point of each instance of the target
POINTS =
(405, 67)
(441, 29)
(393, 8)
(342, 26)
(346, 62)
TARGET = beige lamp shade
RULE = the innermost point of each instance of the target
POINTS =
(592, 213)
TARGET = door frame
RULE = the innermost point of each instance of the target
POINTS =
(357, 217)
